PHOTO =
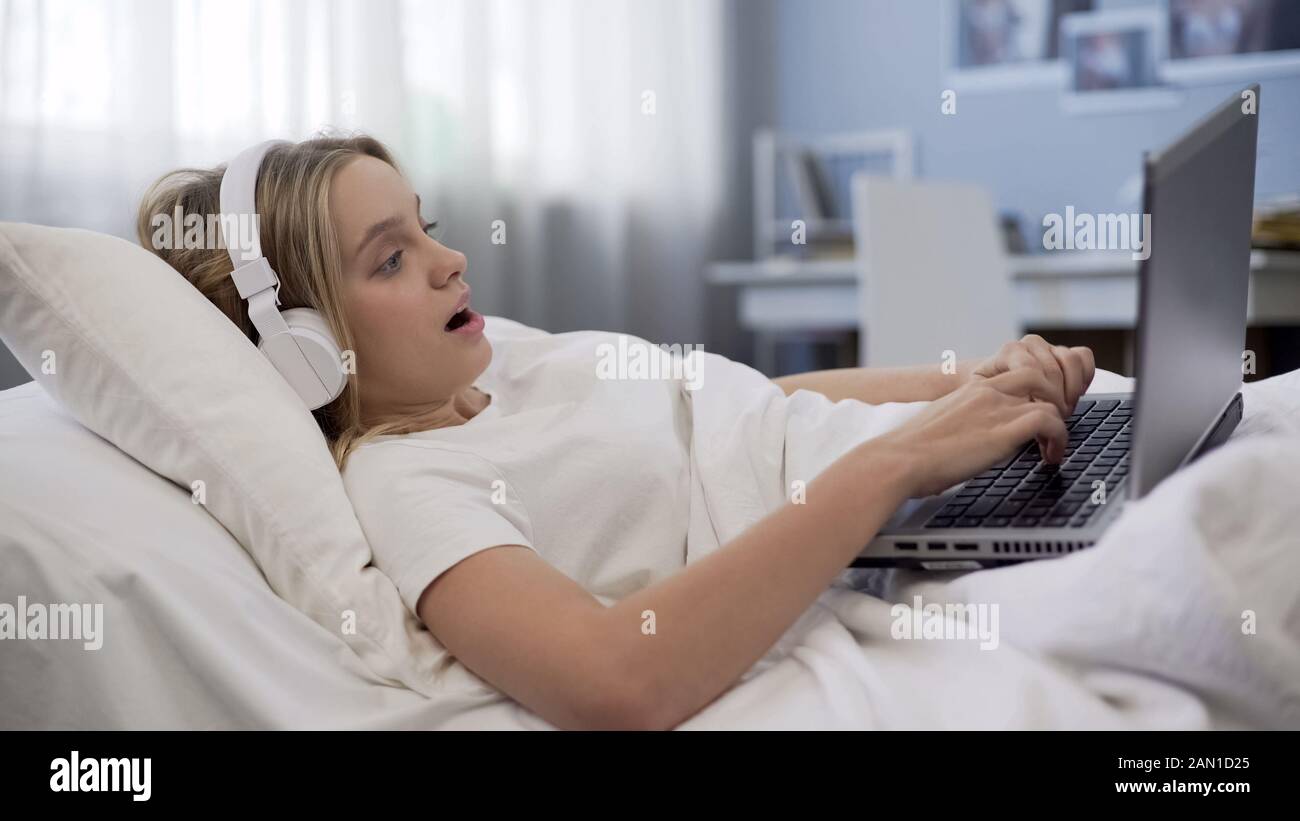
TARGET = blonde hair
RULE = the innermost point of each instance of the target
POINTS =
(298, 240)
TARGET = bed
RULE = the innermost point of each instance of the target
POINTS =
(195, 637)
(1185, 616)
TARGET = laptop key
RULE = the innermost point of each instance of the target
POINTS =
(982, 508)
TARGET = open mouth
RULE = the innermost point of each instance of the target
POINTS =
(460, 318)
(466, 321)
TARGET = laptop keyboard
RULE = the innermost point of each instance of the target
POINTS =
(1023, 491)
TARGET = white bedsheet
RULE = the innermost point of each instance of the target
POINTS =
(1149, 628)
(1142, 630)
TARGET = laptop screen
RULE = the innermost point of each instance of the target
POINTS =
(1191, 334)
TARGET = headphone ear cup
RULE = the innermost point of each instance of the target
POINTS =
(314, 338)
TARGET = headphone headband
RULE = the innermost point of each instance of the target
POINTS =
(297, 342)
(239, 201)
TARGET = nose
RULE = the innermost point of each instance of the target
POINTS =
(449, 264)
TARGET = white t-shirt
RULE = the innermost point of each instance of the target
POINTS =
(593, 474)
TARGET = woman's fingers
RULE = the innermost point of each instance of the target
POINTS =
(1026, 383)
(1069, 371)
(1041, 422)
(1089, 365)
(1072, 374)
(1016, 355)
(1046, 358)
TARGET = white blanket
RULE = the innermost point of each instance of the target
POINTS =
(1185, 615)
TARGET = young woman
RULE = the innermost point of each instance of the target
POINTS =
(534, 516)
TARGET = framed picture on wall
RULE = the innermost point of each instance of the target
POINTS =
(1232, 39)
(1113, 60)
(1004, 44)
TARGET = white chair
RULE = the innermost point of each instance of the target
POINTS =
(932, 272)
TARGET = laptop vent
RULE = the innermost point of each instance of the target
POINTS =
(1039, 547)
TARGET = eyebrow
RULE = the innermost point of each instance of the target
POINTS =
(382, 227)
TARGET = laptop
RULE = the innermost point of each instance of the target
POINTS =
(1199, 192)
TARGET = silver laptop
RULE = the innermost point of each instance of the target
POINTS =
(1191, 331)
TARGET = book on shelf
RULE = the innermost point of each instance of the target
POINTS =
(811, 188)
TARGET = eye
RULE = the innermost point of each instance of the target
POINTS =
(431, 228)
(391, 265)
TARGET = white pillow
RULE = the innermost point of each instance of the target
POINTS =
(140, 357)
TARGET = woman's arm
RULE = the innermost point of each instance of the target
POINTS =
(1069, 371)
(919, 383)
(539, 637)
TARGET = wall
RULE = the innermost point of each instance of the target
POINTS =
(862, 64)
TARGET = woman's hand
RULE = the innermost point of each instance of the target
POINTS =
(964, 432)
(1069, 371)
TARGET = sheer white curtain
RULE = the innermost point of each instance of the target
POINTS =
(591, 129)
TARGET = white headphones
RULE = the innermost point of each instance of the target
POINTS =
(297, 341)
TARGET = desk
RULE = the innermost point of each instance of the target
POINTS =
(1064, 290)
